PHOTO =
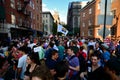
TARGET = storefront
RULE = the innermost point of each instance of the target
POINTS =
(20, 32)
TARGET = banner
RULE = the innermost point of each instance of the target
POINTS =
(61, 29)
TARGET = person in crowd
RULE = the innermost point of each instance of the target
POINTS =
(41, 51)
(41, 73)
(4, 68)
(74, 65)
(22, 62)
(52, 62)
(91, 43)
(112, 46)
(61, 50)
(94, 71)
(117, 51)
(85, 48)
(32, 63)
(112, 68)
(74, 46)
(61, 69)
(106, 53)
(99, 52)
(82, 59)
(48, 51)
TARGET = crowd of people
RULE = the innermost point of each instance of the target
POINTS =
(59, 58)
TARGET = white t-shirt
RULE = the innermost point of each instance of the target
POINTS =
(22, 64)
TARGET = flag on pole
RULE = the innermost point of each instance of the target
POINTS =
(61, 29)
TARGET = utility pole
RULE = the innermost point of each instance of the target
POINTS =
(104, 28)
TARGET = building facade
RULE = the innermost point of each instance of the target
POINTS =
(73, 17)
(92, 19)
(87, 19)
(21, 18)
(115, 9)
(48, 21)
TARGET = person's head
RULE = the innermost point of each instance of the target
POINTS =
(94, 59)
(70, 51)
(51, 44)
(41, 73)
(33, 58)
(61, 69)
(41, 43)
(54, 54)
(81, 48)
(97, 45)
(22, 50)
(104, 46)
(112, 67)
(74, 42)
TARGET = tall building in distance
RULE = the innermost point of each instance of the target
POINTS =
(73, 17)
(21, 18)
(48, 21)
(56, 17)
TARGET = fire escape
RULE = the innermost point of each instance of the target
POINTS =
(22, 9)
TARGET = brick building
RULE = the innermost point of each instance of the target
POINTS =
(21, 18)
(87, 19)
(91, 23)
(115, 9)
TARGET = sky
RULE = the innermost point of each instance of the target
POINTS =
(61, 6)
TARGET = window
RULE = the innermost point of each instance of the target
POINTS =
(83, 14)
(90, 11)
(90, 32)
(83, 24)
(31, 15)
(89, 22)
(31, 26)
(46, 21)
(37, 17)
(37, 8)
(37, 1)
(13, 19)
(83, 33)
(12, 3)
(32, 5)
(43, 21)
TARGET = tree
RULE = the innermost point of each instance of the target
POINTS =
(54, 29)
